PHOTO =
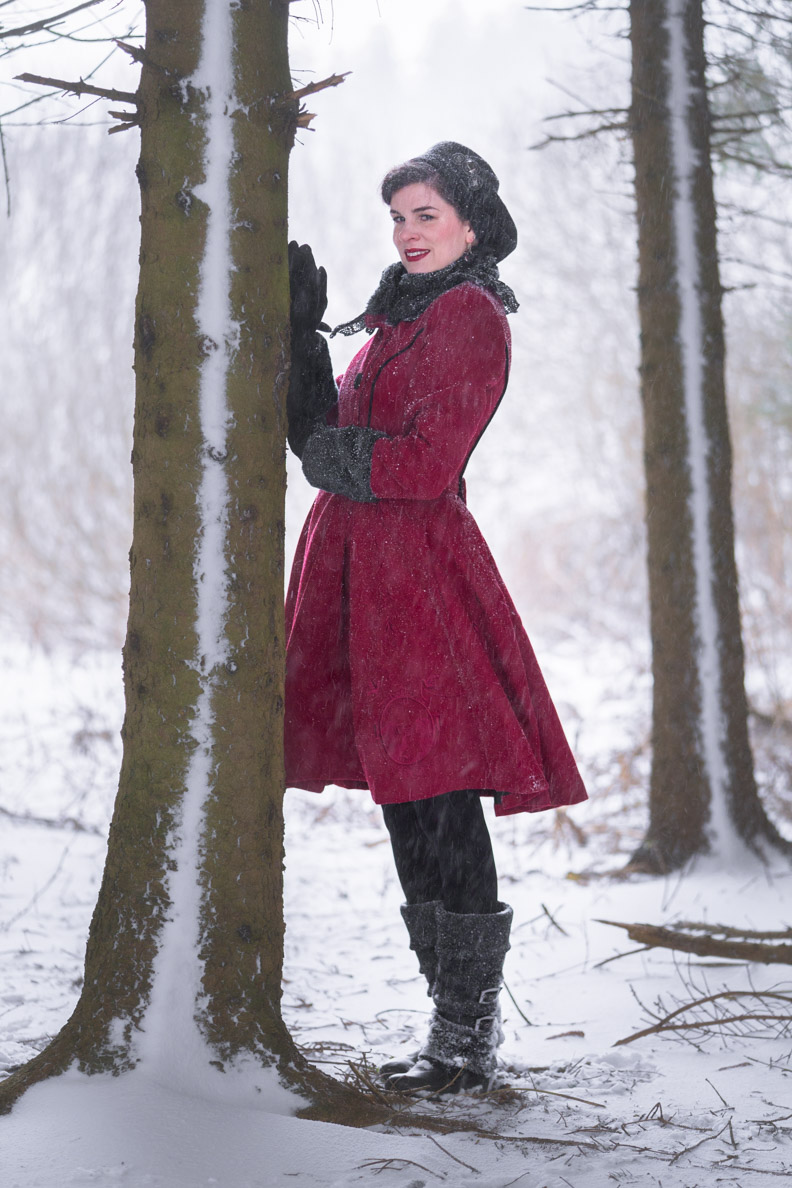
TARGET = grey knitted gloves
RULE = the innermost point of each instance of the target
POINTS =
(339, 461)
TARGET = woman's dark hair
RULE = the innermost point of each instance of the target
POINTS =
(415, 171)
(464, 180)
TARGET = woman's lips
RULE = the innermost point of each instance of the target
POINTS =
(413, 254)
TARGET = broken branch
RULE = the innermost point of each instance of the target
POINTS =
(134, 51)
(129, 119)
(333, 81)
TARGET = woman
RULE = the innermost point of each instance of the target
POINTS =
(408, 670)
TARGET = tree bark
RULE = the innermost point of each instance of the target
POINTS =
(203, 730)
(702, 792)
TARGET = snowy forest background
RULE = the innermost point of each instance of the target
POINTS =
(556, 484)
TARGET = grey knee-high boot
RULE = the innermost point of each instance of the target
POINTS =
(460, 1052)
(421, 922)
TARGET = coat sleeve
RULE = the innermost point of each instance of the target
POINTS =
(459, 380)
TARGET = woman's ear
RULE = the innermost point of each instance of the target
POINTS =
(470, 235)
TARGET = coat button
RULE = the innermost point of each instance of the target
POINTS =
(358, 380)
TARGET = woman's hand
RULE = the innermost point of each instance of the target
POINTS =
(307, 291)
(312, 388)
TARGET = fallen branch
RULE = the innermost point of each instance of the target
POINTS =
(780, 1019)
(726, 930)
(769, 951)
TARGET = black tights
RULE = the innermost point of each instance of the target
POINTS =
(443, 851)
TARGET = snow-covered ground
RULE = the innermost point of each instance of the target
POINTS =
(573, 1108)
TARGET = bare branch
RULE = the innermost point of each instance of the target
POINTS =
(51, 822)
(746, 115)
(584, 6)
(6, 176)
(617, 127)
(762, 13)
(764, 166)
(79, 88)
(45, 22)
(567, 115)
(758, 267)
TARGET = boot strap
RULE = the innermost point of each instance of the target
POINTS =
(490, 1020)
(489, 996)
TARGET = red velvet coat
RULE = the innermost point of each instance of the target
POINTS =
(408, 671)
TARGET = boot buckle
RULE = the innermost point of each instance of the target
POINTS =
(489, 996)
(489, 1019)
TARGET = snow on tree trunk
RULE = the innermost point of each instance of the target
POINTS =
(711, 723)
(170, 1038)
(703, 795)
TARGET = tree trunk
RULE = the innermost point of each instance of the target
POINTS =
(703, 795)
(185, 948)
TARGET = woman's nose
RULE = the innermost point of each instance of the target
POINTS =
(406, 232)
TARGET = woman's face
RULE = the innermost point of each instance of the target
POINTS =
(427, 231)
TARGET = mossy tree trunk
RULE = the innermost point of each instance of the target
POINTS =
(194, 715)
(703, 794)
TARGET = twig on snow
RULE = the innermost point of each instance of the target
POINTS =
(758, 1171)
(720, 1095)
(707, 1139)
(553, 920)
(516, 1179)
(386, 1163)
(450, 1156)
(521, 1013)
(555, 1093)
(618, 956)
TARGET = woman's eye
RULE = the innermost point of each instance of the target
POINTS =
(426, 218)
